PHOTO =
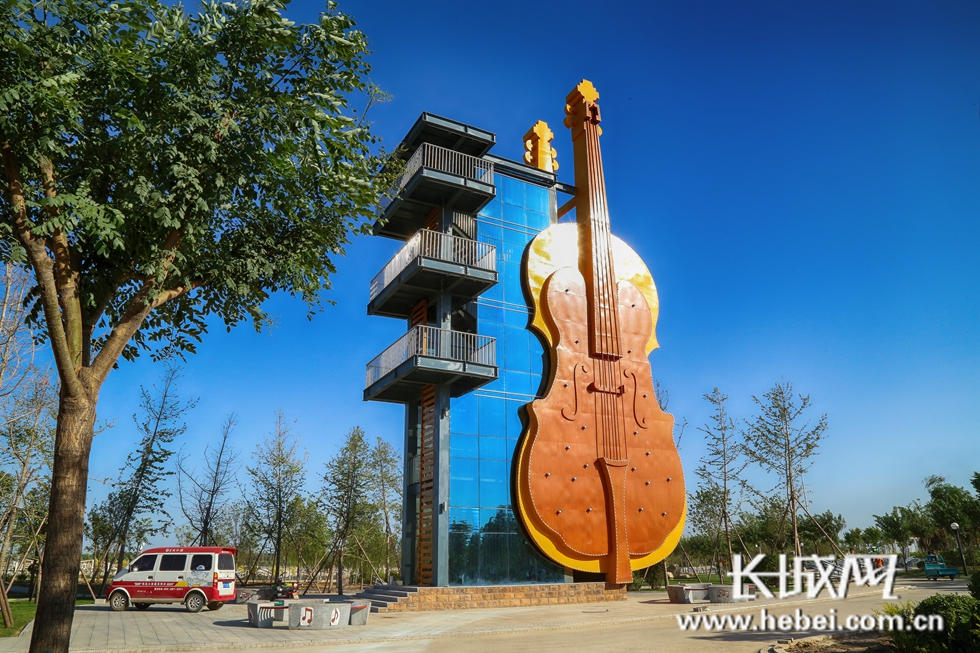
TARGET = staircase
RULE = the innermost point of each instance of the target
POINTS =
(384, 597)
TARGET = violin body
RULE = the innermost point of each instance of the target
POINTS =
(599, 481)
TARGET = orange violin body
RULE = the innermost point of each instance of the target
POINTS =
(600, 484)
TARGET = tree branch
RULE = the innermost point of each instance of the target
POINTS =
(43, 273)
(140, 306)
(65, 275)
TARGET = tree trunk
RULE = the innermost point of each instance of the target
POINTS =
(340, 569)
(66, 518)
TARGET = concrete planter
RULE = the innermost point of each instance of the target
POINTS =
(688, 593)
(359, 613)
(699, 591)
(318, 615)
(724, 594)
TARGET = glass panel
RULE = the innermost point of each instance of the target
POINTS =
(494, 484)
(517, 346)
(493, 557)
(464, 446)
(173, 563)
(492, 417)
(510, 191)
(497, 520)
(464, 558)
(464, 520)
(513, 290)
(519, 382)
(463, 487)
(226, 562)
(538, 221)
(536, 198)
(463, 415)
(201, 562)
(513, 419)
(144, 563)
(493, 448)
(535, 353)
(492, 209)
(513, 215)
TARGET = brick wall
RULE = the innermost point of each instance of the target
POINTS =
(505, 596)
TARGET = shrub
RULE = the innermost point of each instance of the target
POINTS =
(961, 625)
(637, 581)
(974, 586)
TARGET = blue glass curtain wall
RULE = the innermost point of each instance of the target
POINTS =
(486, 545)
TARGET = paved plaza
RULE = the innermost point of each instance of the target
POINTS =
(645, 621)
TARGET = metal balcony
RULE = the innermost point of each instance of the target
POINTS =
(427, 355)
(432, 261)
(435, 176)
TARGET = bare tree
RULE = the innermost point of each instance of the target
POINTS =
(27, 402)
(203, 495)
(780, 444)
(141, 491)
(721, 468)
(278, 476)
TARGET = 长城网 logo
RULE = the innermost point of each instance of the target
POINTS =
(816, 573)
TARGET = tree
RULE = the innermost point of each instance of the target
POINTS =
(873, 536)
(346, 482)
(721, 468)
(778, 443)
(162, 171)
(202, 497)
(27, 400)
(854, 539)
(278, 475)
(949, 503)
(896, 526)
(385, 477)
(141, 492)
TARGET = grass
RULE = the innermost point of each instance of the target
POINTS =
(23, 613)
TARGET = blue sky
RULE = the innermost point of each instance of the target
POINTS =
(801, 179)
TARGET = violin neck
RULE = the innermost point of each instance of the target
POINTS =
(595, 239)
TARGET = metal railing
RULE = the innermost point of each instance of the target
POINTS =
(433, 244)
(434, 342)
(448, 161)
(466, 224)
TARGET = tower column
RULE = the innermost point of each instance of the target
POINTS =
(441, 520)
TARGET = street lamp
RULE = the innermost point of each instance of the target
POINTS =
(956, 531)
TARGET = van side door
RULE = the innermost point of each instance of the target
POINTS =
(172, 576)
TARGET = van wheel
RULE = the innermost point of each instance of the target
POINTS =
(118, 601)
(141, 606)
(194, 602)
(215, 605)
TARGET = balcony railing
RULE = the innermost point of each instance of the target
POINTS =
(448, 161)
(444, 160)
(433, 244)
(434, 343)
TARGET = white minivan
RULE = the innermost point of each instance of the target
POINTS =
(193, 575)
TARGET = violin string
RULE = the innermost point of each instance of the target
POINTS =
(607, 304)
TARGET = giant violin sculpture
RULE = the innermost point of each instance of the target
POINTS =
(599, 480)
